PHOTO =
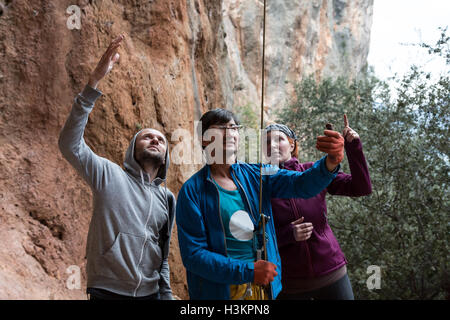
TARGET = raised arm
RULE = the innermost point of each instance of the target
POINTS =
(358, 182)
(287, 184)
(71, 141)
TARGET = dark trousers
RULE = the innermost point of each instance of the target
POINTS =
(101, 294)
(339, 290)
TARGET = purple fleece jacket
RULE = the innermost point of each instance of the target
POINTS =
(320, 254)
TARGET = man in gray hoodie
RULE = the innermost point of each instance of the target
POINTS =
(129, 234)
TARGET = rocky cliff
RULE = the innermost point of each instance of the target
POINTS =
(326, 38)
(180, 58)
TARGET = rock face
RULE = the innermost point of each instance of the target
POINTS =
(319, 37)
(180, 58)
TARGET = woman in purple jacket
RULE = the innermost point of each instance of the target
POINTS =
(313, 264)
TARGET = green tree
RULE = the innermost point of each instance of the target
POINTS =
(403, 226)
(250, 134)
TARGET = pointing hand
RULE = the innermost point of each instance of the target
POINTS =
(107, 61)
(348, 133)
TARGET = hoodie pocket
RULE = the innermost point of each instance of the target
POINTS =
(151, 260)
(120, 261)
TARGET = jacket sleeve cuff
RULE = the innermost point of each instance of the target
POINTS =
(324, 170)
(90, 94)
(249, 272)
(166, 296)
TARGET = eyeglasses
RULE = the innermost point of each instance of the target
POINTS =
(233, 127)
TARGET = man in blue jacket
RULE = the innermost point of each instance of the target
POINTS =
(217, 213)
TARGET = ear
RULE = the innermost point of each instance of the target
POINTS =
(292, 146)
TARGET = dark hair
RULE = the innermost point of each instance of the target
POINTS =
(216, 116)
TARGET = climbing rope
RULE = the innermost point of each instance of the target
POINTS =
(262, 216)
(261, 135)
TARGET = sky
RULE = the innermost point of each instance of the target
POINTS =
(400, 22)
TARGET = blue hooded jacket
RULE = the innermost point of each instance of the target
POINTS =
(201, 233)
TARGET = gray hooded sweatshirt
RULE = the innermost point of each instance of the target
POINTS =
(129, 234)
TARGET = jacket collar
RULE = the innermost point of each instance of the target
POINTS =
(291, 164)
(207, 169)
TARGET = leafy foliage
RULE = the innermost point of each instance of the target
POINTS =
(441, 48)
(250, 134)
(403, 226)
(248, 117)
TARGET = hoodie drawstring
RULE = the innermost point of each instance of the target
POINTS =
(142, 177)
(165, 195)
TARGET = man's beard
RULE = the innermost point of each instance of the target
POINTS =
(155, 159)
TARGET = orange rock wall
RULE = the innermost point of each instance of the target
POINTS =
(174, 66)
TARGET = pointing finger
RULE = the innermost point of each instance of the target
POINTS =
(114, 44)
(112, 52)
(109, 53)
(345, 121)
(118, 39)
(345, 132)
